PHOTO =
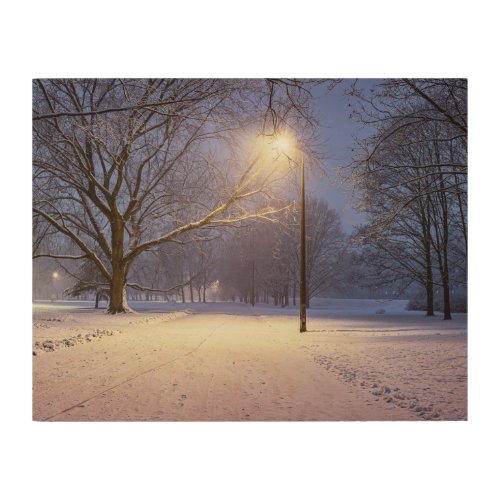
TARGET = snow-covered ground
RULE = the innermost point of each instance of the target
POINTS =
(359, 360)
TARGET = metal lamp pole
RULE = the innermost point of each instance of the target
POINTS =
(303, 284)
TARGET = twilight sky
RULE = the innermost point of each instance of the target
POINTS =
(337, 134)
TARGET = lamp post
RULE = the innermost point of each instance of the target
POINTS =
(285, 144)
(303, 283)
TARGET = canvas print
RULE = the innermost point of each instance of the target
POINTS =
(261, 249)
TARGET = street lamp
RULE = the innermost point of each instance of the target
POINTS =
(303, 294)
(285, 144)
(55, 277)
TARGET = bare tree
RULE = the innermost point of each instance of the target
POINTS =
(88, 280)
(262, 261)
(412, 175)
(124, 166)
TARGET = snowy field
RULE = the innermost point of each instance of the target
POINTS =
(359, 360)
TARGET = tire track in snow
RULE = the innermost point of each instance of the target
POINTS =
(135, 376)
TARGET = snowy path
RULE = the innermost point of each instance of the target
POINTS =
(215, 367)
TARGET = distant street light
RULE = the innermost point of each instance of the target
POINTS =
(55, 277)
(285, 144)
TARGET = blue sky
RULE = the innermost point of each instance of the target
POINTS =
(337, 135)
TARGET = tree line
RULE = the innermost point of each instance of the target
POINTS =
(148, 189)
(254, 263)
(410, 173)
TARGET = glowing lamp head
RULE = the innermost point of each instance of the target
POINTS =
(276, 147)
(55, 275)
(284, 144)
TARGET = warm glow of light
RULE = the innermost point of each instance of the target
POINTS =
(55, 275)
(275, 146)
(284, 144)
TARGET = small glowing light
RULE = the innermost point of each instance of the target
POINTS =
(55, 275)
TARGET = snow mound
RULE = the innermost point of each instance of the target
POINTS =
(50, 345)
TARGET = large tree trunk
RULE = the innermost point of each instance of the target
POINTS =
(441, 245)
(118, 295)
(118, 292)
(429, 290)
(445, 277)
(429, 279)
(446, 291)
